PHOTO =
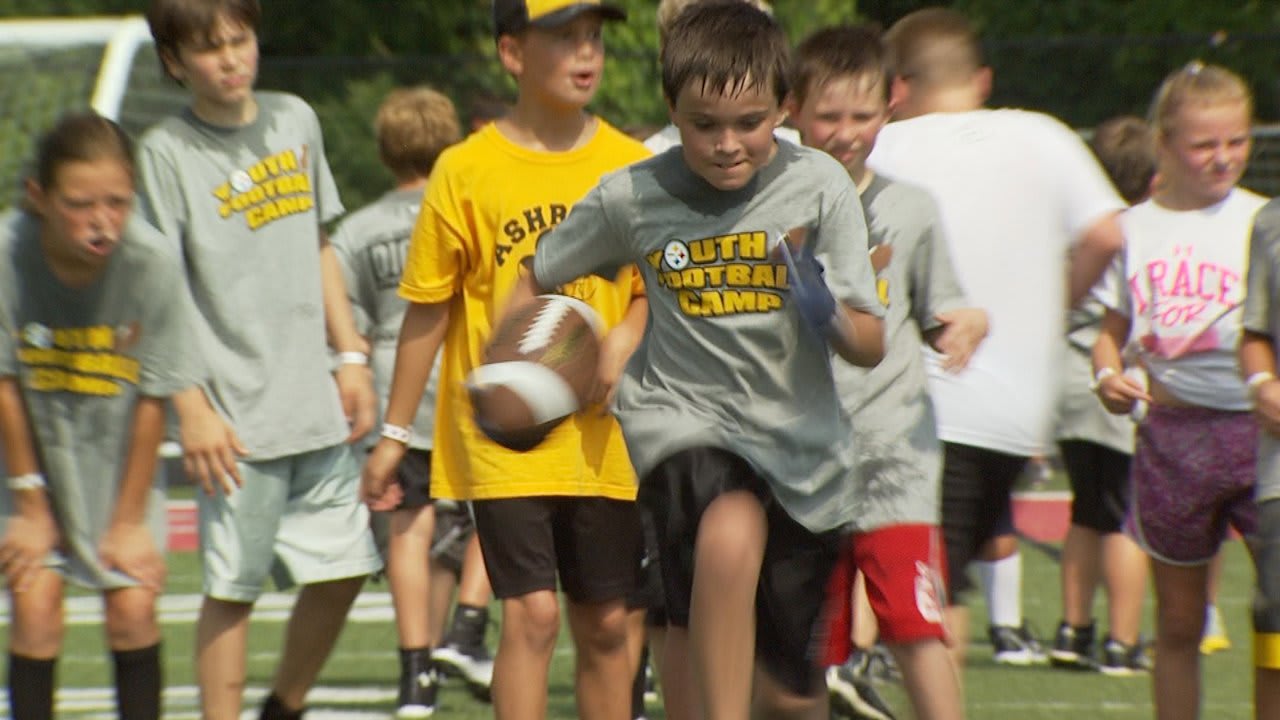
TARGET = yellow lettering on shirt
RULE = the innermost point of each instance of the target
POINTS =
(723, 275)
(281, 188)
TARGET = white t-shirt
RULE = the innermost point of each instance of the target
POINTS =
(669, 137)
(1015, 189)
(1181, 280)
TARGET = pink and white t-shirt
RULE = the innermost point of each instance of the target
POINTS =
(1180, 279)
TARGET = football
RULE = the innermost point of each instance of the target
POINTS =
(538, 368)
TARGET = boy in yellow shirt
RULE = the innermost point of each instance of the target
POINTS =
(567, 507)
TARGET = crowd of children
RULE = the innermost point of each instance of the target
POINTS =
(827, 359)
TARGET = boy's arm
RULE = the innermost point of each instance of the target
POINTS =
(938, 302)
(31, 531)
(617, 347)
(127, 545)
(355, 379)
(421, 334)
(1117, 390)
(1092, 254)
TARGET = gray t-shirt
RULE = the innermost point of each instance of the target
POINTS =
(82, 357)
(246, 204)
(1261, 300)
(1081, 415)
(894, 429)
(726, 361)
(371, 245)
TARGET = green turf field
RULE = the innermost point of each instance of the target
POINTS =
(359, 681)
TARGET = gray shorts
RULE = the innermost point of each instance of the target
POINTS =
(298, 519)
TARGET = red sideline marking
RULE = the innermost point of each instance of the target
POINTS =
(1043, 516)
(182, 525)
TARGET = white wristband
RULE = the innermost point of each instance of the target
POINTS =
(353, 357)
(1257, 380)
(29, 481)
(399, 433)
(1102, 374)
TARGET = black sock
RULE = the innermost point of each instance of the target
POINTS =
(138, 682)
(415, 660)
(274, 709)
(469, 623)
(31, 687)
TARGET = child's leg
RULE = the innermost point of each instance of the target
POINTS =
(904, 580)
(865, 629)
(930, 678)
(133, 635)
(462, 651)
(603, 669)
(520, 549)
(1125, 568)
(1180, 598)
(1266, 612)
(35, 640)
(722, 632)
(408, 574)
(222, 632)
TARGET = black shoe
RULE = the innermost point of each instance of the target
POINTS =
(418, 685)
(1073, 647)
(1120, 660)
(1015, 645)
(853, 695)
(273, 709)
(463, 653)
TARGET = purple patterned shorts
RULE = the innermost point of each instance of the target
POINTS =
(1193, 476)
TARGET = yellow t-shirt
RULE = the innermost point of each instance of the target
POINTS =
(487, 202)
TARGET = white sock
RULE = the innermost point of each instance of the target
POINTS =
(1002, 588)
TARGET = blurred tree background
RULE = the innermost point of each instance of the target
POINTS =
(1082, 60)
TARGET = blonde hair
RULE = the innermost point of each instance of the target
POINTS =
(934, 47)
(1197, 83)
(669, 10)
(413, 126)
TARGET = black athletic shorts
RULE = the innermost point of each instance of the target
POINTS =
(977, 486)
(793, 576)
(1099, 478)
(592, 543)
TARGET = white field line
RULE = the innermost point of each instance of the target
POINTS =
(271, 607)
(181, 702)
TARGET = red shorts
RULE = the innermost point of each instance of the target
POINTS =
(905, 572)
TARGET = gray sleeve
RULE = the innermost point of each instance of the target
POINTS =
(8, 333)
(160, 199)
(1260, 284)
(354, 275)
(842, 249)
(328, 204)
(934, 285)
(167, 352)
(1112, 289)
(584, 243)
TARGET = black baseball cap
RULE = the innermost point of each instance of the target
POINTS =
(512, 16)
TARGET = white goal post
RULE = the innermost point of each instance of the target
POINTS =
(53, 65)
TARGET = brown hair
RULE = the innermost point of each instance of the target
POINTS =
(669, 10)
(727, 46)
(174, 22)
(1125, 146)
(413, 126)
(80, 137)
(934, 46)
(1196, 83)
(837, 52)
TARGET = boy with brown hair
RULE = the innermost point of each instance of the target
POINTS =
(564, 510)
(839, 102)
(239, 182)
(412, 127)
(729, 407)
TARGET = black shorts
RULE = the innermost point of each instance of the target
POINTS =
(414, 475)
(453, 530)
(793, 576)
(977, 486)
(593, 544)
(1099, 478)
(648, 594)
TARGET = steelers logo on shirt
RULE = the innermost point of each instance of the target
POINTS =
(676, 255)
(37, 335)
(241, 181)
